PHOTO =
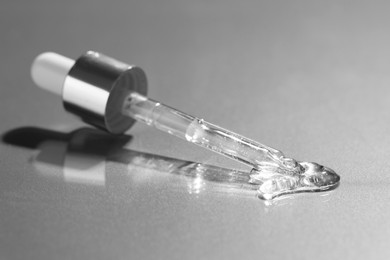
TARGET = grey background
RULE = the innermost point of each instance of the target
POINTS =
(308, 77)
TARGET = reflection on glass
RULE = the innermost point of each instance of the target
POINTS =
(83, 157)
(54, 159)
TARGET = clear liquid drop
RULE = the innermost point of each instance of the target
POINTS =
(312, 177)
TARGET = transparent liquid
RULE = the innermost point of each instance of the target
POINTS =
(313, 178)
(272, 171)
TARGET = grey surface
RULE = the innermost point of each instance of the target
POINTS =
(308, 77)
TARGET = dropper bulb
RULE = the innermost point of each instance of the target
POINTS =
(49, 71)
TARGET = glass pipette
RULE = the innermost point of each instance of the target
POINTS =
(207, 135)
(111, 95)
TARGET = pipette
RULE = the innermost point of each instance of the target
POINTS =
(111, 95)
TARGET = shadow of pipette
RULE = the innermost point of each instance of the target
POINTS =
(82, 156)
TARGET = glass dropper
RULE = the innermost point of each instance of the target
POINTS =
(111, 95)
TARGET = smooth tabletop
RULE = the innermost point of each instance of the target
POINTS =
(311, 78)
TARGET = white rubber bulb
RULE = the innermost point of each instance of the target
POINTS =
(49, 71)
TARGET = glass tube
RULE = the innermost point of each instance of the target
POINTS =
(207, 135)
